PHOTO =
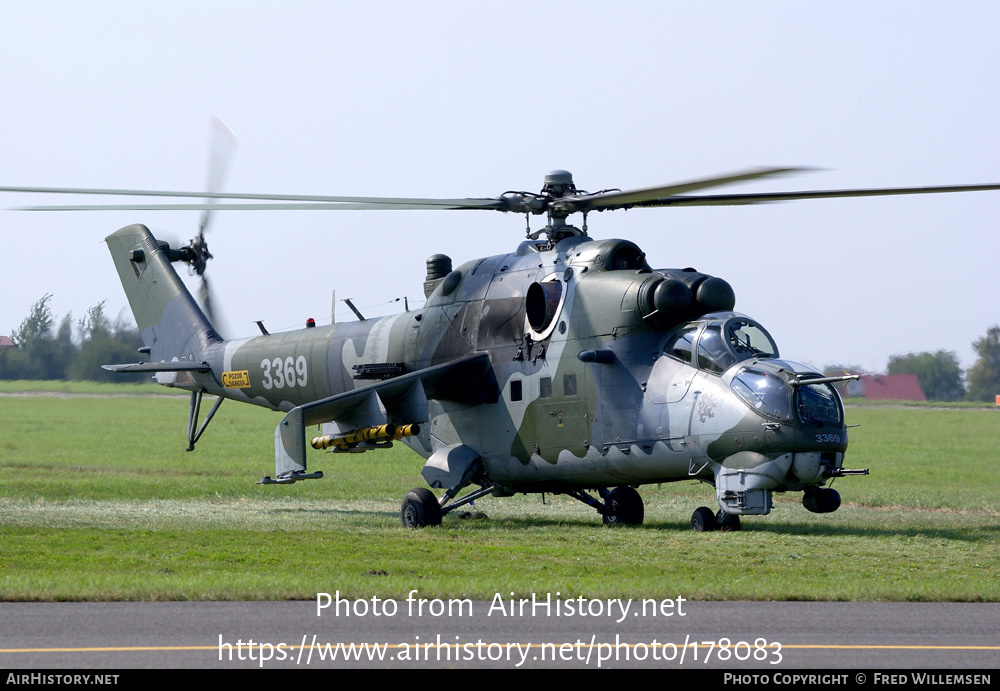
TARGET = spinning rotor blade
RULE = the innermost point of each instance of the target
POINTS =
(205, 294)
(765, 197)
(319, 206)
(519, 202)
(618, 200)
(318, 201)
(223, 148)
(599, 201)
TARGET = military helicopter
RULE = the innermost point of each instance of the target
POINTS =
(569, 365)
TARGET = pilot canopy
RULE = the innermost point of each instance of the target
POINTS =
(720, 340)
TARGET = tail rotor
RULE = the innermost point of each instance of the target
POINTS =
(222, 143)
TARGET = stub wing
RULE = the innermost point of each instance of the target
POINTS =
(404, 399)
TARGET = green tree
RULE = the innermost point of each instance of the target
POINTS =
(103, 343)
(939, 373)
(93, 324)
(36, 326)
(63, 349)
(39, 354)
(984, 376)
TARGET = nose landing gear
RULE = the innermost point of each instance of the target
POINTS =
(703, 520)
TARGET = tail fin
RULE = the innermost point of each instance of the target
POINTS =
(170, 321)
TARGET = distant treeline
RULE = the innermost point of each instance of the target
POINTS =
(73, 350)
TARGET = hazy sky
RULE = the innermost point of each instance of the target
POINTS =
(471, 99)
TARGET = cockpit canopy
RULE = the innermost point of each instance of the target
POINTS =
(776, 388)
(719, 340)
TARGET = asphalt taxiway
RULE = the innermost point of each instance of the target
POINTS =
(753, 636)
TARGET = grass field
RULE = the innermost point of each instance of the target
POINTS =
(99, 501)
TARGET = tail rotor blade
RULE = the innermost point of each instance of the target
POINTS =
(222, 150)
(208, 306)
(206, 299)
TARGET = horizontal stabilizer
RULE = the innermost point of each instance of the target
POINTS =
(176, 366)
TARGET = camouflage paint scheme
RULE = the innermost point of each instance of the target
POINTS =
(543, 370)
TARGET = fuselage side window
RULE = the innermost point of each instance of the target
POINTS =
(545, 387)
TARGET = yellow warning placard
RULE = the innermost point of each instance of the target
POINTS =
(236, 380)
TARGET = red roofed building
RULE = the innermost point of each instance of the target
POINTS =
(5, 342)
(887, 387)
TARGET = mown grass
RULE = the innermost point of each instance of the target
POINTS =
(86, 387)
(863, 402)
(99, 501)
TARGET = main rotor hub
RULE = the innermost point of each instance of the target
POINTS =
(559, 183)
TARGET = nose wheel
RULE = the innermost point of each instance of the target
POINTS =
(704, 520)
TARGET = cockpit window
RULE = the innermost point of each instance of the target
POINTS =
(749, 339)
(727, 338)
(681, 344)
(819, 403)
(765, 392)
(722, 344)
(713, 355)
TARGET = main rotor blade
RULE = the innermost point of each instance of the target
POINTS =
(765, 197)
(487, 203)
(615, 200)
(667, 195)
(494, 204)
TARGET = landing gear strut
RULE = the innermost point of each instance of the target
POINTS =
(194, 431)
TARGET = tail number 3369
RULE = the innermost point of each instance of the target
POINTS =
(280, 373)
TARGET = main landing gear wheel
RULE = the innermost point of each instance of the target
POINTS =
(624, 507)
(703, 520)
(420, 508)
